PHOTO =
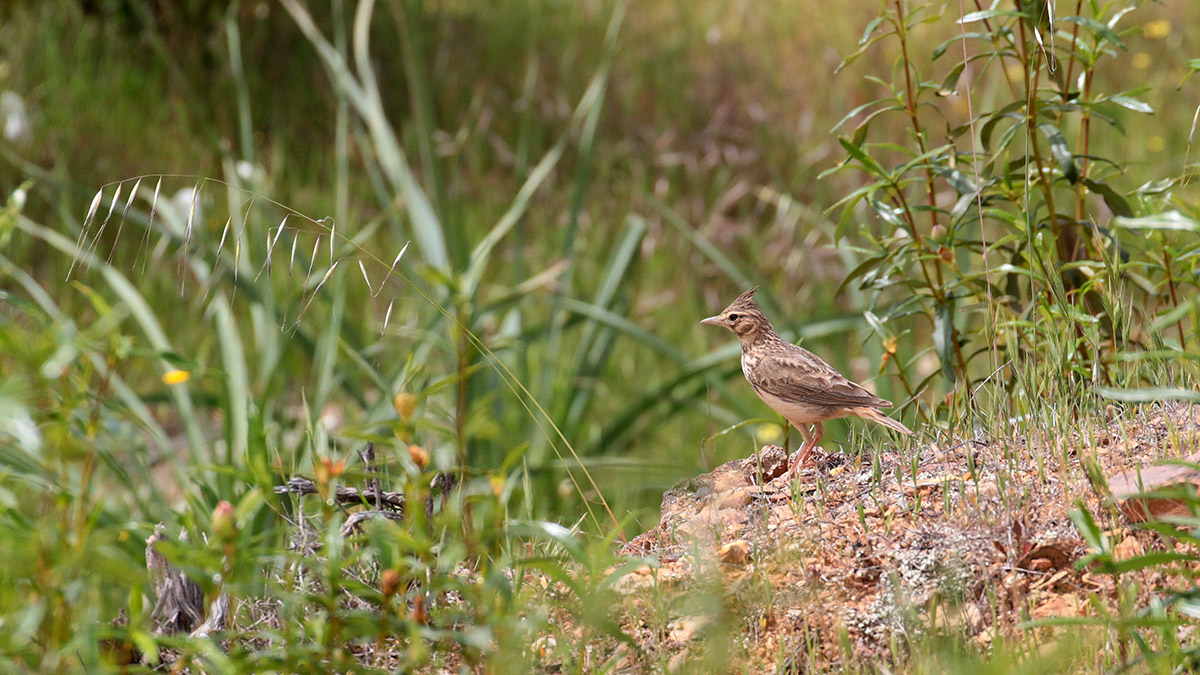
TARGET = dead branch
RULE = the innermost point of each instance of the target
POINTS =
(218, 613)
(354, 522)
(345, 495)
(372, 484)
(179, 602)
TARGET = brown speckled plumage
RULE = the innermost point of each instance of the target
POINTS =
(793, 381)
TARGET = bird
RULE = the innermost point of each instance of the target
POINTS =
(793, 381)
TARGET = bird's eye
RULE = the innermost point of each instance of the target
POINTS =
(734, 317)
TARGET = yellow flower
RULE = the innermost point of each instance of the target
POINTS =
(1158, 29)
(1141, 60)
(175, 376)
(768, 433)
(1155, 144)
(497, 484)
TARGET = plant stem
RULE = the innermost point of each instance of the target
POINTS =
(910, 107)
(461, 394)
(1171, 287)
(1033, 71)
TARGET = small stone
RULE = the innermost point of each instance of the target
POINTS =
(1069, 605)
(1129, 547)
(1129, 487)
(1052, 555)
(727, 479)
(974, 618)
(735, 552)
(632, 583)
(734, 499)
(684, 629)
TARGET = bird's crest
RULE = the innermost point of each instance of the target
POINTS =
(745, 299)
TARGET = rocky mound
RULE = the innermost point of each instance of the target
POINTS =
(866, 557)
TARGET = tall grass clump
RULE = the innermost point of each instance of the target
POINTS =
(231, 344)
(1006, 245)
(1015, 242)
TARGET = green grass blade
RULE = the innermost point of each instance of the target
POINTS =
(237, 381)
(589, 359)
(366, 100)
(587, 109)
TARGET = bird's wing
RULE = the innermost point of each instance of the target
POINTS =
(800, 375)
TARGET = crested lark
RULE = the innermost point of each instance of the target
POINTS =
(793, 381)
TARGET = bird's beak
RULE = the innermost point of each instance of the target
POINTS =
(713, 321)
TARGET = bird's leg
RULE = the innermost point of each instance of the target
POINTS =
(811, 438)
(817, 432)
(787, 429)
(802, 453)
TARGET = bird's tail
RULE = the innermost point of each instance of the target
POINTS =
(876, 415)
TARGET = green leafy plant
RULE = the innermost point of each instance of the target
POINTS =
(1005, 237)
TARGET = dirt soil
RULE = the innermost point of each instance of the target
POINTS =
(864, 557)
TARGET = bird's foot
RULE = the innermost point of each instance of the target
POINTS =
(800, 460)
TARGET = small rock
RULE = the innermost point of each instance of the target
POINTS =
(1053, 555)
(734, 498)
(984, 639)
(771, 462)
(712, 523)
(975, 620)
(1068, 605)
(632, 583)
(684, 629)
(782, 513)
(1040, 565)
(729, 477)
(735, 552)
(1129, 547)
(1129, 489)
